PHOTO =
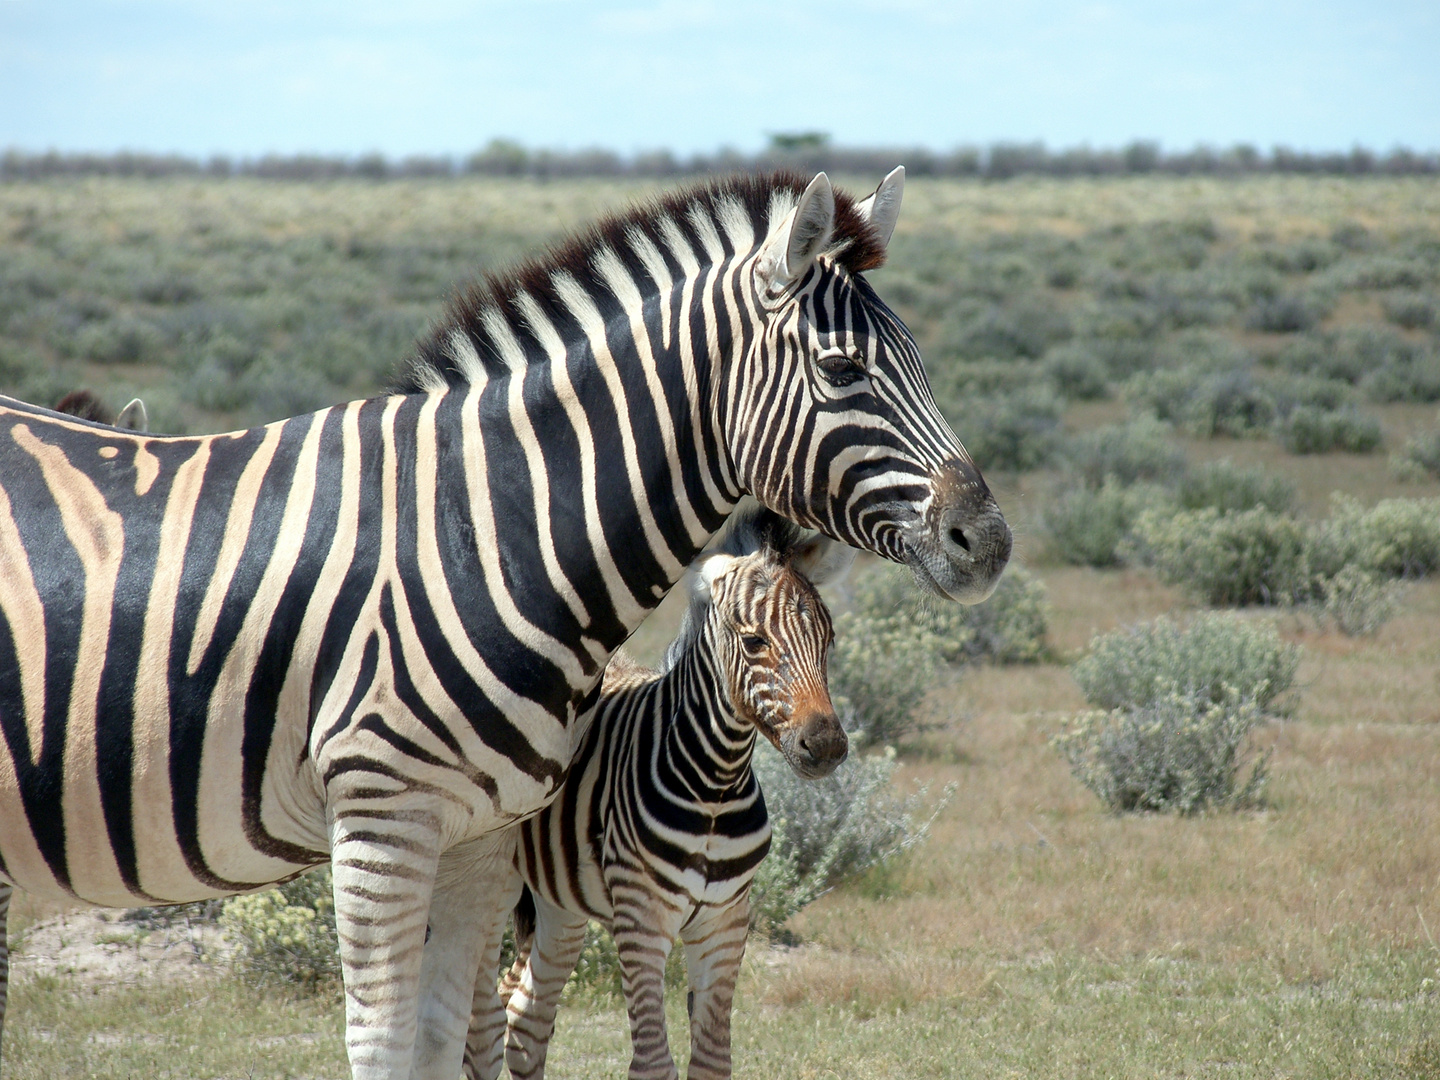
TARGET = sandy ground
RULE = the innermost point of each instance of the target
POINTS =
(119, 946)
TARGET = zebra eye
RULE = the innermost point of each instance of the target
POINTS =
(839, 369)
(754, 642)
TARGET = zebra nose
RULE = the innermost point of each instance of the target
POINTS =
(823, 743)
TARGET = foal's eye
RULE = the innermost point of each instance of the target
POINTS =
(754, 642)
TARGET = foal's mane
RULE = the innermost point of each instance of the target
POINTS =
(856, 246)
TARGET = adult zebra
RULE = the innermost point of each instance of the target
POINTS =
(372, 635)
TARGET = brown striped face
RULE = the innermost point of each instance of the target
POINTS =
(773, 635)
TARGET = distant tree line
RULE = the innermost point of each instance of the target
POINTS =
(807, 151)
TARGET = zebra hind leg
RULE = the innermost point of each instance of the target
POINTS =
(714, 946)
(558, 938)
(484, 1054)
(6, 892)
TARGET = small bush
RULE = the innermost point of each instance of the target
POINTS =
(285, 936)
(829, 831)
(1283, 315)
(1422, 452)
(1228, 487)
(1013, 433)
(119, 341)
(1217, 656)
(1226, 559)
(1142, 449)
(1077, 373)
(1308, 430)
(1206, 404)
(1397, 538)
(1357, 601)
(1087, 527)
(1413, 311)
(881, 668)
(1180, 753)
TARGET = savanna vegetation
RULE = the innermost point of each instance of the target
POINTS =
(1164, 806)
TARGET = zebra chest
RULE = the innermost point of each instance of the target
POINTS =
(713, 853)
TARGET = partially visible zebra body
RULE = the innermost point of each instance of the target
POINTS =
(374, 635)
(661, 824)
(132, 417)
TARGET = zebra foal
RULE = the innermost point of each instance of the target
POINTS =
(661, 824)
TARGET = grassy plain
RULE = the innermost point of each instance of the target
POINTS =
(1033, 934)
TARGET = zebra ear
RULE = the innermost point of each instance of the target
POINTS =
(799, 239)
(882, 208)
(823, 560)
(134, 417)
(709, 569)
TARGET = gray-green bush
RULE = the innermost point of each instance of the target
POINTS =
(1229, 487)
(1229, 559)
(829, 831)
(1421, 452)
(1396, 538)
(1308, 430)
(1088, 526)
(1216, 655)
(1180, 753)
(1142, 449)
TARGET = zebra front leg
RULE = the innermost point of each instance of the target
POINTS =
(714, 946)
(6, 892)
(476, 886)
(384, 875)
(645, 928)
(558, 938)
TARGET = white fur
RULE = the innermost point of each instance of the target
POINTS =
(799, 240)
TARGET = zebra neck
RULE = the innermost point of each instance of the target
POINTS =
(703, 728)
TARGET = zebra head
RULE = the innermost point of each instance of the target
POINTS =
(771, 635)
(833, 424)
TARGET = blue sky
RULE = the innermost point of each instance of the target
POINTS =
(437, 76)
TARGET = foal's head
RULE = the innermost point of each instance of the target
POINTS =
(772, 634)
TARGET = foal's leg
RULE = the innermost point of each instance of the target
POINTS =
(714, 946)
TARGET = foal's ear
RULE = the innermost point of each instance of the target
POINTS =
(134, 417)
(823, 560)
(709, 568)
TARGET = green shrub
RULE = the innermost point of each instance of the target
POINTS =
(1012, 433)
(1287, 314)
(1204, 403)
(1227, 559)
(1218, 656)
(1008, 628)
(1308, 430)
(285, 936)
(1142, 449)
(1422, 452)
(119, 341)
(1087, 526)
(1357, 601)
(1077, 373)
(1179, 753)
(1412, 310)
(1397, 538)
(881, 668)
(830, 831)
(1228, 487)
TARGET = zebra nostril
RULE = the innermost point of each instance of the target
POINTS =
(959, 539)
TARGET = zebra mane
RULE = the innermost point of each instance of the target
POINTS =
(750, 530)
(856, 245)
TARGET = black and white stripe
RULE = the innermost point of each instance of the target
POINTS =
(661, 825)
(372, 635)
